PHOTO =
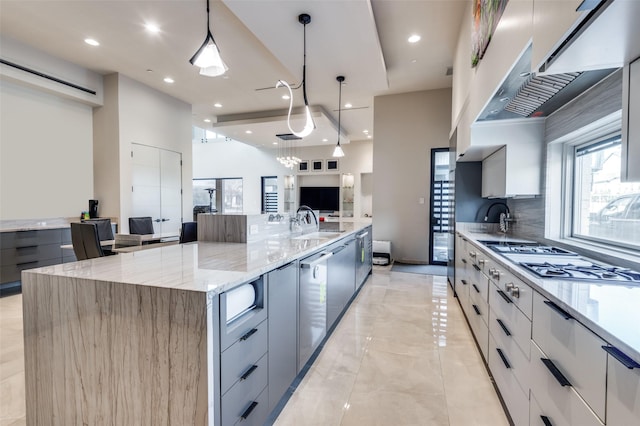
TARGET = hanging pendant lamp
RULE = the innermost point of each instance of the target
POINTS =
(338, 152)
(208, 56)
(309, 125)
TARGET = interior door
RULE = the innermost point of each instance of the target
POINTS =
(441, 202)
(157, 186)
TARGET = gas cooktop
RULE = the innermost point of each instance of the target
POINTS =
(518, 247)
(583, 271)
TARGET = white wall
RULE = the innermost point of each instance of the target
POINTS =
(136, 113)
(406, 128)
(235, 159)
(46, 154)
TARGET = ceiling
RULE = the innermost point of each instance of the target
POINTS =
(261, 42)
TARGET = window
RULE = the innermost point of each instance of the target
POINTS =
(605, 209)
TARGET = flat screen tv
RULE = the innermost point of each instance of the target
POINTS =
(323, 198)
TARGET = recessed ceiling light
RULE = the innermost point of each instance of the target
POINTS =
(494, 111)
(248, 132)
(91, 42)
(369, 137)
(285, 97)
(206, 120)
(414, 38)
(149, 70)
(505, 99)
(275, 143)
(365, 131)
(348, 105)
(325, 140)
(217, 105)
(152, 28)
(413, 61)
(169, 80)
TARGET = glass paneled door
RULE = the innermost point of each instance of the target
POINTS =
(157, 186)
(441, 205)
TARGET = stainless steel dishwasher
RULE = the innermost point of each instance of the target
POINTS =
(312, 316)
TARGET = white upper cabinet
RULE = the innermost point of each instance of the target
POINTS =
(514, 169)
(631, 122)
(553, 21)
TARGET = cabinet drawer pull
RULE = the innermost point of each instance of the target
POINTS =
(564, 314)
(475, 308)
(504, 358)
(248, 372)
(249, 334)
(248, 411)
(26, 247)
(546, 421)
(464, 282)
(477, 268)
(338, 249)
(621, 356)
(26, 263)
(504, 296)
(503, 327)
(464, 261)
(284, 266)
(556, 373)
(475, 287)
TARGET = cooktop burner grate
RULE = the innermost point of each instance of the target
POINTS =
(591, 272)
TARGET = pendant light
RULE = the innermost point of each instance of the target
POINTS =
(309, 125)
(338, 152)
(208, 56)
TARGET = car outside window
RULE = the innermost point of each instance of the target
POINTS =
(605, 209)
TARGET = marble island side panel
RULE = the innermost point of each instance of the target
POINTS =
(111, 353)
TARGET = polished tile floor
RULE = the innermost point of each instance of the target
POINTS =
(402, 355)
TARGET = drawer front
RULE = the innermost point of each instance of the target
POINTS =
(478, 324)
(560, 405)
(20, 255)
(65, 236)
(574, 350)
(12, 273)
(259, 414)
(623, 394)
(508, 320)
(237, 401)
(516, 400)
(519, 292)
(239, 358)
(30, 238)
(462, 290)
(479, 284)
(478, 300)
(515, 357)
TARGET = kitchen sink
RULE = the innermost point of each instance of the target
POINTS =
(319, 235)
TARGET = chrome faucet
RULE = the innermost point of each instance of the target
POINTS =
(302, 217)
(486, 216)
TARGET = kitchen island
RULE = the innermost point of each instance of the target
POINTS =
(143, 338)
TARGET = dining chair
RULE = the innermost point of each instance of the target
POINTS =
(105, 231)
(189, 232)
(141, 225)
(86, 244)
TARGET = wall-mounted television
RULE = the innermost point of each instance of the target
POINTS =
(323, 198)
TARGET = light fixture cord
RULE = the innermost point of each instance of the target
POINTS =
(208, 26)
(304, 64)
(339, 108)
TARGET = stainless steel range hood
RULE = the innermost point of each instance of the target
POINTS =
(525, 94)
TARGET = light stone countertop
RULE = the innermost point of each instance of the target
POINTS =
(203, 266)
(39, 224)
(612, 311)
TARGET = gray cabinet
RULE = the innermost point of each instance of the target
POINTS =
(364, 255)
(20, 250)
(283, 336)
(341, 280)
(244, 357)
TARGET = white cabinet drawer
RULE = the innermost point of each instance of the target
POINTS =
(477, 316)
(559, 405)
(520, 293)
(518, 360)
(502, 369)
(479, 284)
(508, 320)
(575, 351)
(623, 393)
